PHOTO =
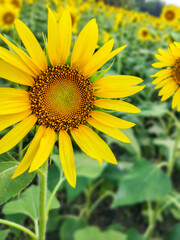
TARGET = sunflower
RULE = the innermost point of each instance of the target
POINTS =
(170, 14)
(168, 79)
(144, 34)
(60, 98)
(8, 14)
(15, 3)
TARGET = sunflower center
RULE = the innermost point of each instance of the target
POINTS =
(16, 3)
(169, 15)
(8, 18)
(144, 33)
(73, 19)
(176, 71)
(61, 98)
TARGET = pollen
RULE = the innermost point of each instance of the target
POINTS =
(61, 98)
(176, 71)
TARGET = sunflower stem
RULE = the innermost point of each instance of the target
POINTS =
(42, 201)
(53, 194)
(20, 227)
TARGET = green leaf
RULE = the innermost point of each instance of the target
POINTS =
(69, 227)
(175, 232)
(132, 147)
(10, 187)
(153, 109)
(144, 182)
(112, 173)
(132, 234)
(110, 234)
(17, 218)
(94, 233)
(4, 234)
(72, 193)
(28, 203)
(86, 166)
(168, 144)
(53, 221)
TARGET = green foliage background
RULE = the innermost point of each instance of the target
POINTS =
(139, 198)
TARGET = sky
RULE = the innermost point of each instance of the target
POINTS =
(175, 2)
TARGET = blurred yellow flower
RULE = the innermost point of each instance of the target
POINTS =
(144, 34)
(8, 14)
(170, 14)
(15, 3)
(169, 79)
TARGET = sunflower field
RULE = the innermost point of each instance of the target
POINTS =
(89, 120)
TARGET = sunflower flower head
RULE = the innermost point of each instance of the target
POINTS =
(170, 14)
(8, 14)
(144, 34)
(168, 79)
(61, 98)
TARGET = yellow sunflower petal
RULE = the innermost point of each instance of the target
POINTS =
(161, 65)
(165, 54)
(98, 59)
(10, 119)
(115, 52)
(32, 45)
(85, 44)
(162, 83)
(44, 150)
(12, 92)
(167, 60)
(174, 50)
(178, 107)
(13, 106)
(117, 105)
(169, 87)
(91, 143)
(116, 81)
(65, 34)
(15, 61)
(67, 157)
(118, 93)
(163, 72)
(52, 38)
(14, 136)
(83, 143)
(160, 79)
(35, 70)
(30, 154)
(113, 132)
(111, 121)
(176, 99)
(14, 74)
(169, 91)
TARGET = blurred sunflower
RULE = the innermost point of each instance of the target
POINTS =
(169, 79)
(8, 14)
(170, 14)
(144, 34)
(73, 13)
(15, 3)
(61, 98)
